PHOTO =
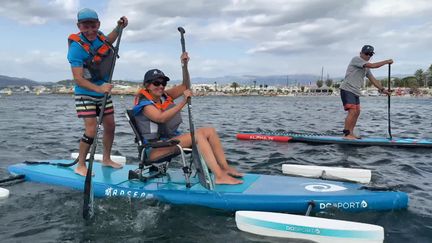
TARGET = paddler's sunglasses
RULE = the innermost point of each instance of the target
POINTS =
(159, 82)
(369, 54)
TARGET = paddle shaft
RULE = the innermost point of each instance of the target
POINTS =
(12, 178)
(186, 78)
(203, 175)
(88, 210)
(388, 102)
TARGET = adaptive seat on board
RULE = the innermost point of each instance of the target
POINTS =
(154, 167)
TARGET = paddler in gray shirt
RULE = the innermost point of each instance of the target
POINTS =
(358, 68)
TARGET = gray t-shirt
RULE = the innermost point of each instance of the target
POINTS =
(354, 76)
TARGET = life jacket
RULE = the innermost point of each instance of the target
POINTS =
(152, 131)
(161, 106)
(98, 66)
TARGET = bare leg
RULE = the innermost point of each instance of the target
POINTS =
(160, 152)
(221, 176)
(90, 131)
(351, 121)
(211, 135)
(108, 139)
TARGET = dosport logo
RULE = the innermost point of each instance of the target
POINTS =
(112, 192)
(324, 187)
(343, 205)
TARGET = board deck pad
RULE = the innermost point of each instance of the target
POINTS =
(258, 192)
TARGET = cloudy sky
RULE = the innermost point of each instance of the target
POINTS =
(223, 37)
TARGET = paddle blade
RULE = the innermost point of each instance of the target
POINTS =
(331, 173)
(202, 170)
(251, 136)
(307, 228)
(88, 209)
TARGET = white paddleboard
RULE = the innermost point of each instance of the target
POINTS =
(308, 228)
(4, 193)
(115, 158)
(325, 172)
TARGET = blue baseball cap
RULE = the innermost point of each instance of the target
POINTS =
(87, 14)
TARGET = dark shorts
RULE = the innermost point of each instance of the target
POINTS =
(90, 106)
(350, 100)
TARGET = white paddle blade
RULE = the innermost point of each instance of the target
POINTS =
(119, 159)
(332, 173)
(4, 193)
(308, 228)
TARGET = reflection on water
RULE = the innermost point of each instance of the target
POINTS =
(46, 127)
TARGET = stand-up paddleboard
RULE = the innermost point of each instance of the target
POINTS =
(4, 193)
(251, 136)
(258, 192)
(308, 228)
(332, 139)
(328, 173)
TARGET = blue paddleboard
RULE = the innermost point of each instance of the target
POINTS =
(364, 141)
(258, 192)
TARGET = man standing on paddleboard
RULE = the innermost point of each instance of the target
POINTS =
(90, 55)
(358, 68)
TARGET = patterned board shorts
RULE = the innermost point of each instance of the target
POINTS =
(90, 106)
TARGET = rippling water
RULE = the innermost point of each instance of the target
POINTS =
(46, 127)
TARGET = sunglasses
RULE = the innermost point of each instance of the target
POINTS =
(369, 54)
(159, 82)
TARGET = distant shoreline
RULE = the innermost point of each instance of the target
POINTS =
(226, 95)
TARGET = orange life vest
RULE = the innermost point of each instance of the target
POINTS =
(161, 106)
(100, 53)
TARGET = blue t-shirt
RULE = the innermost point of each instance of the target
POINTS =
(77, 56)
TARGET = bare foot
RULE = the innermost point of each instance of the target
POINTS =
(227, 180)
(350, 137)
(233, 172)
(113, 164)
(82, 170)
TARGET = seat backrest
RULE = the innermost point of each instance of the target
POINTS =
(132, 122)
(138, 139)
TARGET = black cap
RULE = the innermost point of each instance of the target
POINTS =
(153, 74)
(367, 49)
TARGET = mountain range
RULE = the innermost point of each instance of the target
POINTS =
(242, 80)
(12, 81)
(271, 80)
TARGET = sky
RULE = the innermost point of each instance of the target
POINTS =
(223, 37)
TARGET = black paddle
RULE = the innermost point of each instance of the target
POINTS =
(388, 102)
(12, 178)
(203, 174)
(88, 210)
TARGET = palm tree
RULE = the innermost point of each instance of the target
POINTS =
(235, 85)
(329, 82)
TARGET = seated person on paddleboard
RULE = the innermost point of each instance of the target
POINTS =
(358, 68)
(158, 118)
